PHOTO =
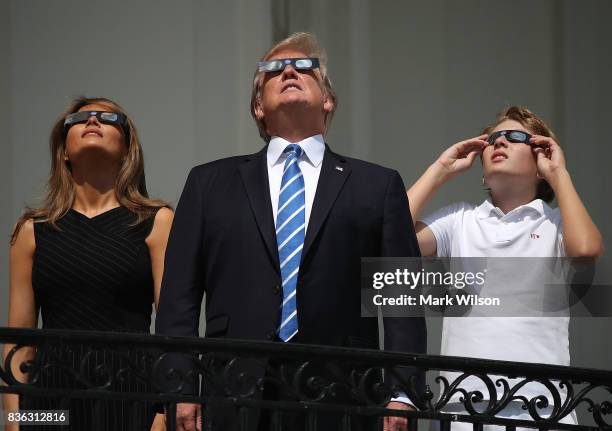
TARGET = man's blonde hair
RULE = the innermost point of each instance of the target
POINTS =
(309, 45)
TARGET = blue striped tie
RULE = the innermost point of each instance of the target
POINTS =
(290, 231)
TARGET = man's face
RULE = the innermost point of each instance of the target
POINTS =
(291, 88)
(504, 159)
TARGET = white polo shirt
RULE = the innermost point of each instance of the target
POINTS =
(532, 230)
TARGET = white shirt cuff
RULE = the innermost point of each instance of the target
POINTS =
(403, 398)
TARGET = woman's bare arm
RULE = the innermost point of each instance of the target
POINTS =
(22, 305)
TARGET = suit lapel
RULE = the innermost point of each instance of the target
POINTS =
(255, 178)
(334, 172)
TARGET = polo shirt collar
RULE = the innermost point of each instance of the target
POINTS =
(487, 209)
(313, 146)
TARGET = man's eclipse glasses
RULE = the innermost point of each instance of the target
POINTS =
(281, 63)
(515, 136)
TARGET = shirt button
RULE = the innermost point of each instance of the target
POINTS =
(277, 289)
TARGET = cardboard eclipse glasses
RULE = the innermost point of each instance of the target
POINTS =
(514, 136)
(113, 118)
(280, 64)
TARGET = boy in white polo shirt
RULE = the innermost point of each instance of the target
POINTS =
(524, 169)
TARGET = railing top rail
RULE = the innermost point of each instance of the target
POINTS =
(299, 351)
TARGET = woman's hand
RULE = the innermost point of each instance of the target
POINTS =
(159, 423)
(460, 156)
(549, 158)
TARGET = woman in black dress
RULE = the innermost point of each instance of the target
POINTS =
(91, 258)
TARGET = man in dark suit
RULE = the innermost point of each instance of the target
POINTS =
(275, 238)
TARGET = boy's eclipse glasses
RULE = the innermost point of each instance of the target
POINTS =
(515, 136)
(280, 64)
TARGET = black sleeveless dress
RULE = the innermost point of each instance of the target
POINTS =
(94, 274)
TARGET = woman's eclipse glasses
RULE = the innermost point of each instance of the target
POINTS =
(114, 118)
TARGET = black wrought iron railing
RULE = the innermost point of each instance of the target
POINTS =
(309, 383)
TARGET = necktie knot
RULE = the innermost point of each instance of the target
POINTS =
(293, 150)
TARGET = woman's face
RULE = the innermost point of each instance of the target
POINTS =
(505, 161)
(94, 138)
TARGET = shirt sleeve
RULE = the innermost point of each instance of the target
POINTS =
(443, 224)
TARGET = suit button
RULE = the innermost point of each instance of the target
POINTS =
(271, 335)
(277, 289)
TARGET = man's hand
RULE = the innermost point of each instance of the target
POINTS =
(460, 156)
(550, 159)
(188, 417)
(396, 423)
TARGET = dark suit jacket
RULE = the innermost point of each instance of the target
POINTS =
(223, 243)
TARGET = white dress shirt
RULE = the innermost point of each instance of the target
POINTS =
(309, 163)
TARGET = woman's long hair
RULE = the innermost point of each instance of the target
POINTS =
(130, 186)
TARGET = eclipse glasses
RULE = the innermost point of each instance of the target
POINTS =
(113, 118)
(515, 136)
(281, 63)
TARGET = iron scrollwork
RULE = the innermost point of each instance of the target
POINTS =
(313, 375)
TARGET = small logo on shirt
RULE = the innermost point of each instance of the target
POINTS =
(535, 236)
(339, 168)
